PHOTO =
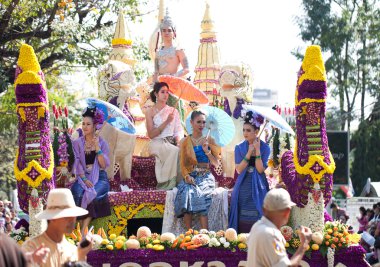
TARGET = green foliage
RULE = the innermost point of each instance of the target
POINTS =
(366, 141)
(348, 33)
(8, 142)
(61, 36)
(276, 146)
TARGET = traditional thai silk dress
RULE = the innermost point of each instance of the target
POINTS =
(249, 190)
(195, 198)
(164, 149)
(95, 199)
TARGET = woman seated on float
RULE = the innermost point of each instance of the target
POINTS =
(90, 190)
(194, 191)
(251, 159)
(165, 129)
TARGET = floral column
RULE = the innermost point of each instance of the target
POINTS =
(308, 172)
(34, 162)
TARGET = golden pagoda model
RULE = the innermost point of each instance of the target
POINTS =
(208, 67)
(122, 43)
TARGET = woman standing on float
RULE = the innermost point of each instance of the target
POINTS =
(90, 190)
(165, 129)
(251, 159)
(194, 191)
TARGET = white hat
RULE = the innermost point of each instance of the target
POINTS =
(277, 199)
(60, 204)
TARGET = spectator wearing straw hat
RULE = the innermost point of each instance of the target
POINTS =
(61, 213)
(266, 245)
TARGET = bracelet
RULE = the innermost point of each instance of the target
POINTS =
(246, 160)
(258, 157)
(99, 152)
(84, 178)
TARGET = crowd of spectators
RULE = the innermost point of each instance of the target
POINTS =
(8, 217)
(369, 227)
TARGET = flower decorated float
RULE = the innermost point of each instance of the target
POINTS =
(308, 173)
(34, 164)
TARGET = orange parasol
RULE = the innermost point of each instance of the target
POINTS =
(184, 89)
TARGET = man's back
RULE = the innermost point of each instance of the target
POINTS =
(266, 246)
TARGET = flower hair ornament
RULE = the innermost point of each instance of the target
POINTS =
(253, 118)
(96, 114)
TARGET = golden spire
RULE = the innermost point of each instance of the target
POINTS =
(207, 24)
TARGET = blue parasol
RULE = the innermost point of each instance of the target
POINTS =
(219, 125)
(271, 116)
(112, 115)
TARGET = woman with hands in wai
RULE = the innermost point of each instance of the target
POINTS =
(91, 188)
(251, 159)
(194, 191)
(165, 129)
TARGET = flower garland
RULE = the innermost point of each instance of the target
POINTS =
(307, 168)
(192, 239)
(19, 235)
(307, 100)
(43, 173)
(121, 41)
(334, 236)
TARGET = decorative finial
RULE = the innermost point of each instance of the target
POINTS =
(167, 22)
(161, 9)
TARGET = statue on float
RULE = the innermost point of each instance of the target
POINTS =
(117, 85)
(167, 55)
(308, 172)
(34, 164)
(236, 84)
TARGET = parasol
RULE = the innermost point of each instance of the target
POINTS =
(271, 116)
(112, 115)
(218, 124)
(184, 89)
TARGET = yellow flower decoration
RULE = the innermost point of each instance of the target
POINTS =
(121, 41)
(21, 112)
(308, 100)
(44, 174)
(306, 169)
(313, 65)
(27, 59)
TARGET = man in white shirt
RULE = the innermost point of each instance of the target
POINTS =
(61, 213)
(266, 245)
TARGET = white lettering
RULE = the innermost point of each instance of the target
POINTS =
(130, 264)
(186, 264)
(216, 264)
(159, 264)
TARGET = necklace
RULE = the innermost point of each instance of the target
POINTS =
(197, 141)
(88, 147)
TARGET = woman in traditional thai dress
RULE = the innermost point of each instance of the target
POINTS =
(90, 190)
(251, 159)
(194, 191)
(165, 129)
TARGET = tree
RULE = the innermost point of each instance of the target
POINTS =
(64, 33)
(366, 142)
(348, 33)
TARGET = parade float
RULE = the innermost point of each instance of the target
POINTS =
(306, 172)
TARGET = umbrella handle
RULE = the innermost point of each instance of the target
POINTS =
(266, 122)
(179, 98)
(208, 133)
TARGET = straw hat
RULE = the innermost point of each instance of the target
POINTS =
(60, 204)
